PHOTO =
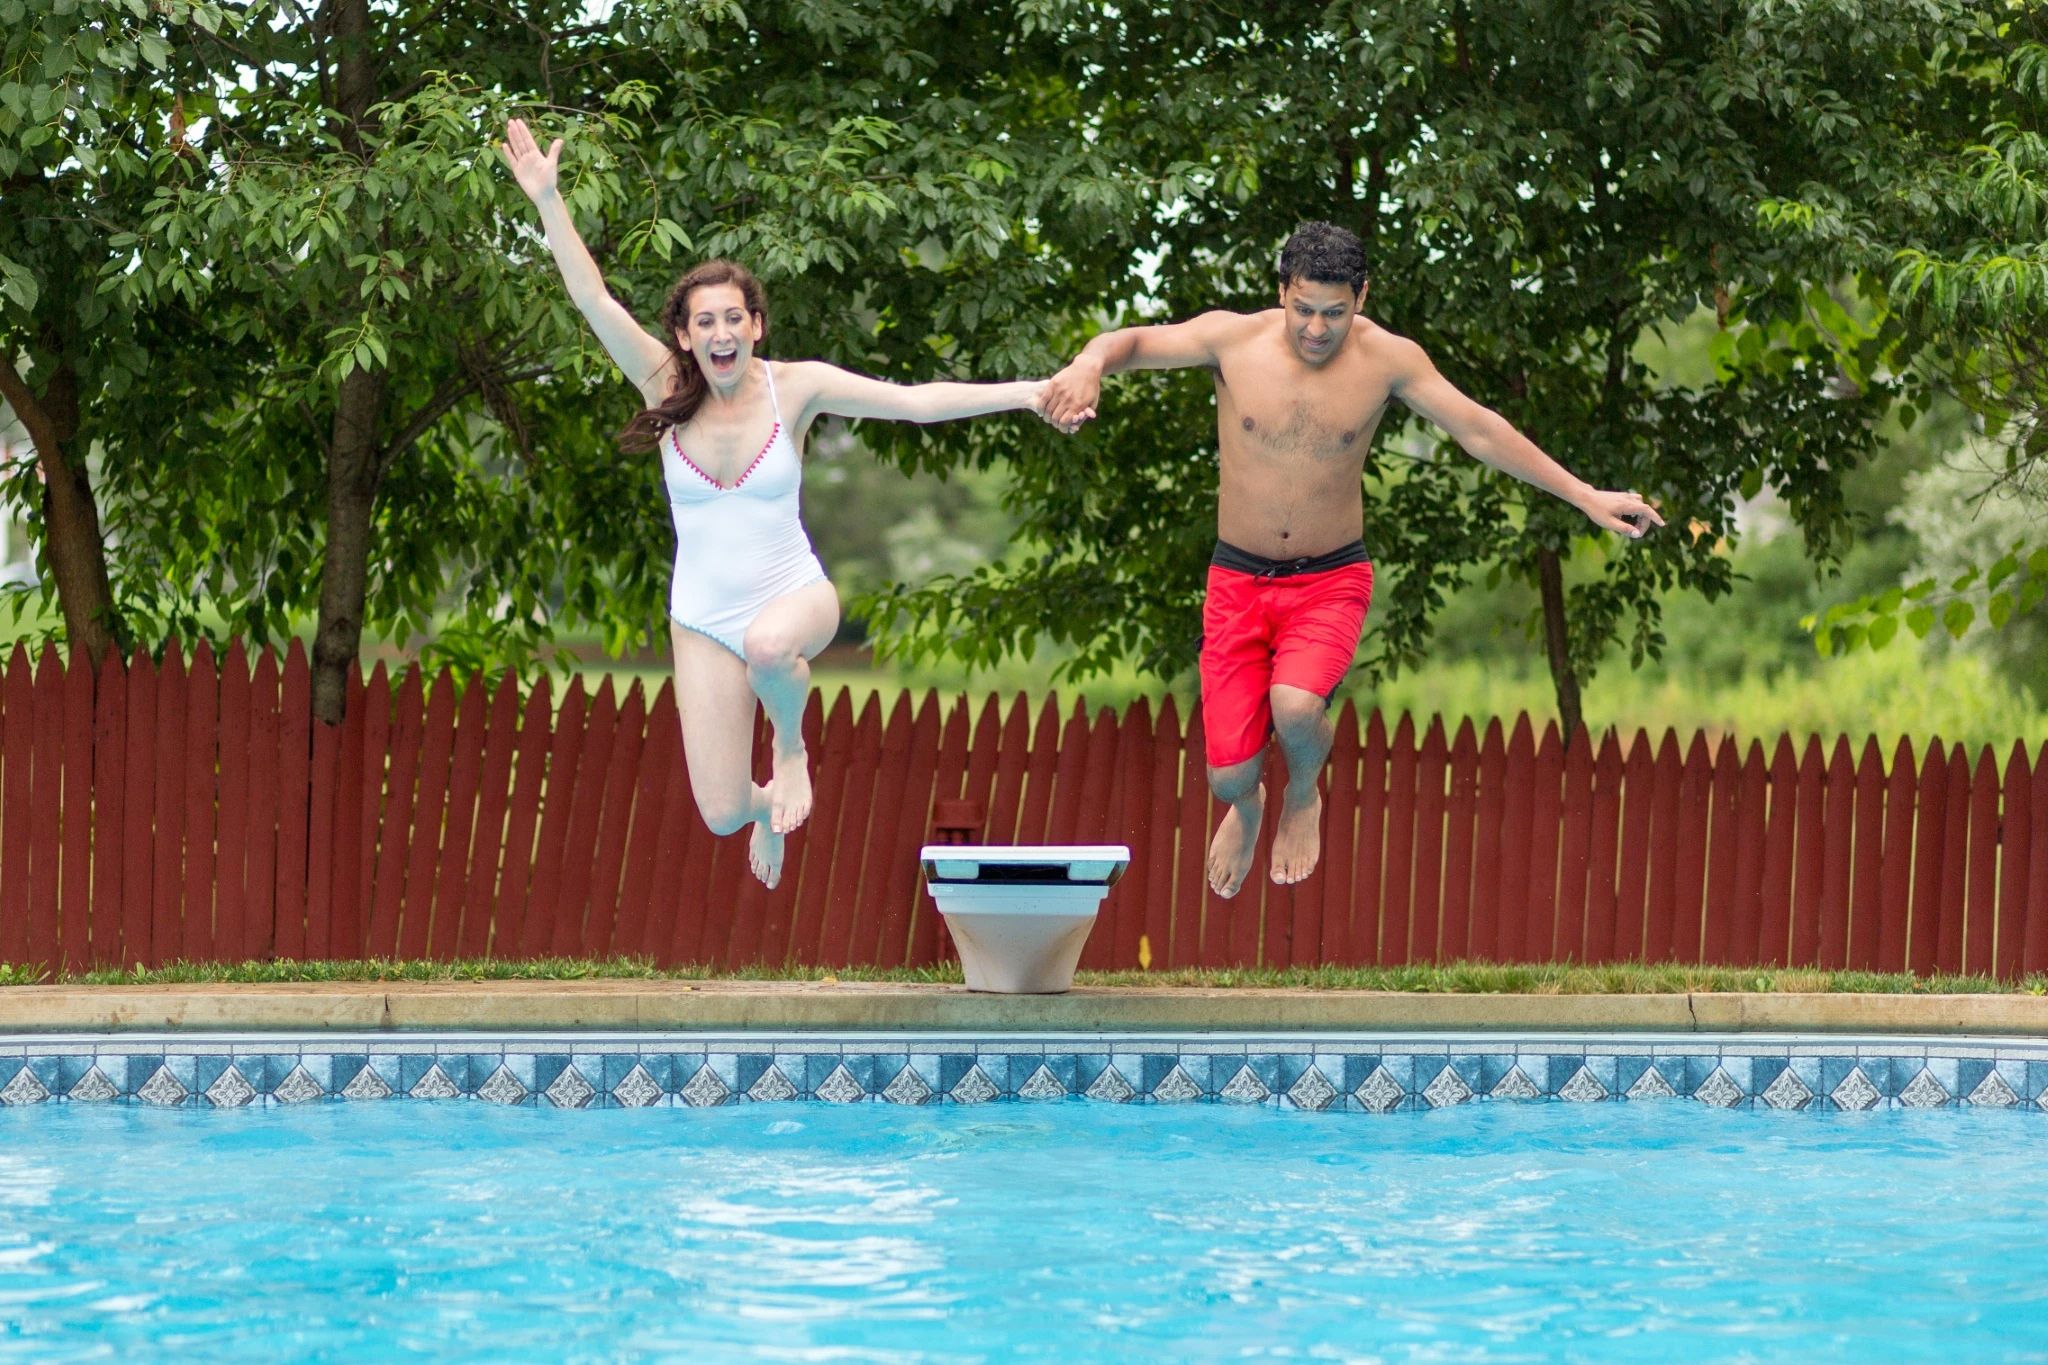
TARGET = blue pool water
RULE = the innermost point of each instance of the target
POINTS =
(1074, 1231)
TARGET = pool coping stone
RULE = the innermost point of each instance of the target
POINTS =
(802, 1006)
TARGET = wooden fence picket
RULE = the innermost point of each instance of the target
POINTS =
(45, 809)
(1639, 811)
(390, 838)
(1491, 821)
(1895, 909)
(1122, 920)
(264, 815)
(575, 873)
(231, 847)
(1603, 850)
(167, 871)
(899, 879)
(1159, 800)
(1723, 853)
(1744, 911)
(1838, 847)
(1774, 936)
(1574, 847)
(138, 861)
(1190, 871)
(465, 772)
(1397, 877)
(1667, 807)
(420, 834)
(109, 808)
(661, 756)
(1454, 933)
(1539, 931)
(1511, 872)
(17, 735)
(2014, 864)
(1955, 855)
(74, 897)
(522, 819)
(1981, 917)
(2035, 936)
(1866, 887)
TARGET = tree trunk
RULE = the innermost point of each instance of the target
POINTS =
(1557, 640)
(71, 517)
(355, 449)
(353, 470)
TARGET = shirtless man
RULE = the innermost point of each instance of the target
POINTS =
(1300, 390)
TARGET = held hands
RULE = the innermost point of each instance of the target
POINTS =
(534, 171)
(1070, 417)
(1068, 398)
(1629, 513)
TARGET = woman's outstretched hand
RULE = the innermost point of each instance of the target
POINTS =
(534, 170)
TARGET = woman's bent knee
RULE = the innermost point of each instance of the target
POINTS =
(725, 816)
(772, 651)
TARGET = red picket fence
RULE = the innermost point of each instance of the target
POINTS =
(191, 810)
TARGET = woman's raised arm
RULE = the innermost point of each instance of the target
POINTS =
(642, 358)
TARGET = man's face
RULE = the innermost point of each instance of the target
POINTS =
(1318, 317)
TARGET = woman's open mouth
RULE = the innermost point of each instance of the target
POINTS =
(723, 362)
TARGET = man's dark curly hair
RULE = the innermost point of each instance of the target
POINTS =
(1323, 253)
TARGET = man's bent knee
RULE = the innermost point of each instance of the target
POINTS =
(1235, 782)
(1296, 709)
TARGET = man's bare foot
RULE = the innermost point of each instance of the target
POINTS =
(789, 793)
(764, 854)
(1297, 840)
(1230, 852)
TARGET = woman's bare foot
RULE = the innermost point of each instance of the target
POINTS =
(1237, 838)
(764, 854)
(790, 791)
(1297, 840)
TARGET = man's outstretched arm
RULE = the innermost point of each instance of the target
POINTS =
(1487, 436)
(1071, 395)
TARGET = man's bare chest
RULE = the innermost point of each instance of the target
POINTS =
(1264, 417)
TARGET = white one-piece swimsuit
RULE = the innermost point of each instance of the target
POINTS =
(738, 546)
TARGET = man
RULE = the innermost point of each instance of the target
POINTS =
(1300, 390)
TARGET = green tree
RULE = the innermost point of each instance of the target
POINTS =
(87, 125)
(1539, 185)
(414, 419)
(1945, 223)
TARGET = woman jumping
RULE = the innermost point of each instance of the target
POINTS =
(750, 605)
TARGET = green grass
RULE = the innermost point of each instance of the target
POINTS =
(1456, 978)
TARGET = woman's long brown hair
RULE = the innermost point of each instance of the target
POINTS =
(686, 395)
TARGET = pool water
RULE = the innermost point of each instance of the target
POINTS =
(1070, 1231)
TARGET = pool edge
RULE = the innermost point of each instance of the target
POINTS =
(862, 1006)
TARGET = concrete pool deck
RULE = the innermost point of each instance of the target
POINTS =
(862, 1007)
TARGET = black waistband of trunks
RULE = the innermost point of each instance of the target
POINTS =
(1229, 556)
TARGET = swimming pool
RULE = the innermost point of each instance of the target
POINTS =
(1074, 1231)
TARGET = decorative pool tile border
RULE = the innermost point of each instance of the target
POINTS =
(1363, 1073)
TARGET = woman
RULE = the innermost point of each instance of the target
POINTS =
(750, 605)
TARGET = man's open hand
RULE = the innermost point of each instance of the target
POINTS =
(1629, 513)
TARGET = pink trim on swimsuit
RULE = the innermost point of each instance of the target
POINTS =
(677, 442)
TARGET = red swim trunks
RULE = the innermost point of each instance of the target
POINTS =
(1267, 621)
